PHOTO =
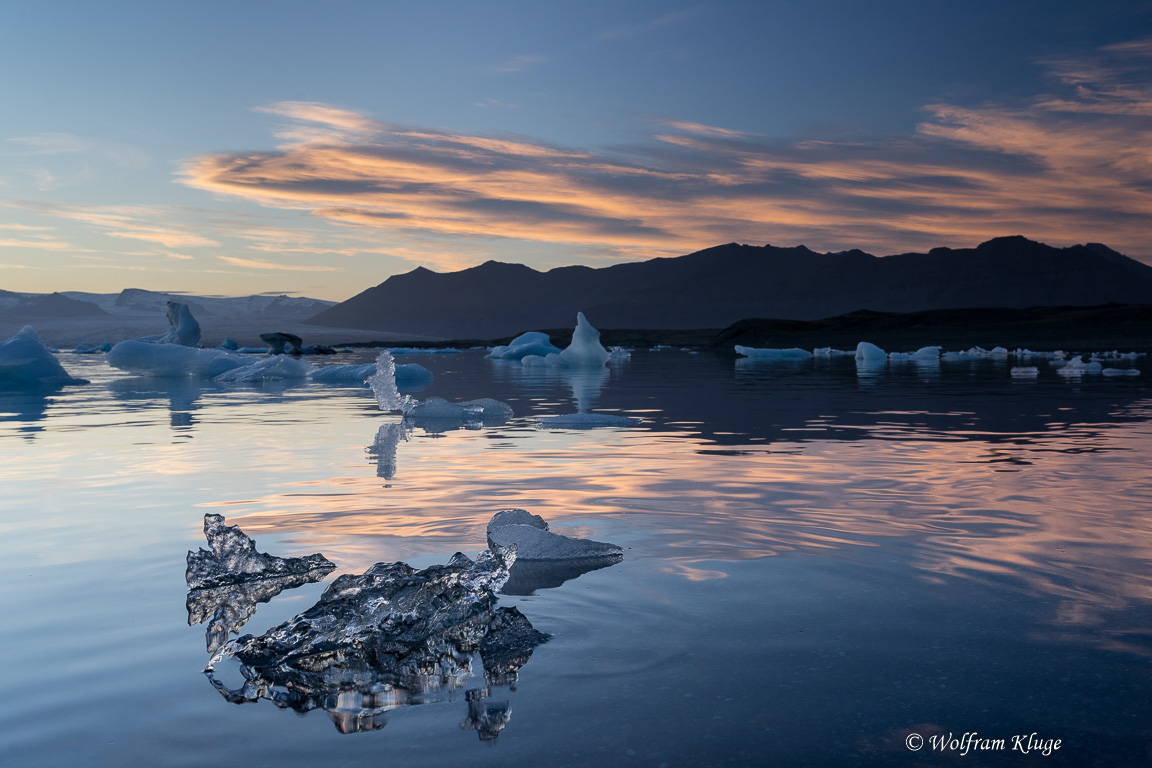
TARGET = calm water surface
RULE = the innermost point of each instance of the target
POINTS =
(820, 562)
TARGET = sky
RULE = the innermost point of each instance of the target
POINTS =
(308, 148)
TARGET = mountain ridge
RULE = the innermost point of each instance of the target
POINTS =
(717, 286)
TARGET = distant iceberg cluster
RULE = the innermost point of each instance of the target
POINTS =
(536, 349)
(869, 357)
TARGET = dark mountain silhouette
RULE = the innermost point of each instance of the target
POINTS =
(52, 305)
(718, 286)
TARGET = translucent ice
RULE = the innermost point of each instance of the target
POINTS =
(531, 343)
(383, 383)
(391, 637)
(25, 361)
(479, 412)
(585, 349)
(774, 354)
(145, 358)
(231, 558)
(532, 540)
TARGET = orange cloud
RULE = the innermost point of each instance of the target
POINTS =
(1070, 167)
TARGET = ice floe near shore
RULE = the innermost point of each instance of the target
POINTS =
(25, 361)
(532, 540)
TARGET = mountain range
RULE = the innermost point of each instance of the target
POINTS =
(718, 286)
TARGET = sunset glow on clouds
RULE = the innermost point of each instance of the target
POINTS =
(358, 144)
(1068, 166)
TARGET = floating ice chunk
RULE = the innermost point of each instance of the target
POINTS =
(407, 374)
(530, 536)
(1024, 372)
(84, 349)
(25, 361)
(830, 352)
(1120, 372)
(383, 383)
(484, 410)
(1027, 353)
(531, 343)
(228, 607)
(774, 354)
(585, 350)
(617, 354)
(1077, 367)
(269, 369)
(182, 327)
(922, 355)
(150, 359)
(586, 421)
(391, 637)
(976, 353)
(870, 354)
(231, 558)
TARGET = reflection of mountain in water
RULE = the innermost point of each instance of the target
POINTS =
(388, 638)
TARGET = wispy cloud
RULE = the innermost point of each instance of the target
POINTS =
(519, 63)
(1065, 167)
(145, 223)
(261, 264)
(629, 31)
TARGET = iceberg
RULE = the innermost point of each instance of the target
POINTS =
(1077, 367)
(830, 352)
(1120, 372)
(774, 354)
(149, 359)
(25, 361)
(531, 343)
(585, 351)
(408, 375)
(1024, 372)
(383, 383)
(435, 411)
(275, 368)
(976, 353)
(391, 637)
(869, 354)
(183, 329)
(532, 540)
(922, 355)
(231, 558)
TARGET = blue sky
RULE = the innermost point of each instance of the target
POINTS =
(317, 148)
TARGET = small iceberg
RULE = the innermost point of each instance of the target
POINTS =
(171, 360)
(231, 558)
(183, 329)
(531, 343)
(276, 368)
(484, 411)
(869, 354)
(1120, 372)
(794, 353)
(25, 361)
(1024, 372)
(532, 540)
(922, 355)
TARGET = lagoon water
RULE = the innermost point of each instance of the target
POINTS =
(821, 564)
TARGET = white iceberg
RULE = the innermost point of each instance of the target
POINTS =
(531, 343)
(149, 359)
(922, 355)
(275, 368)
(585, 351)
(383, 383)
(774, 354)
(182, 327)
(532, 540)
(24, 360)
(869, 354)
(1077, 367)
